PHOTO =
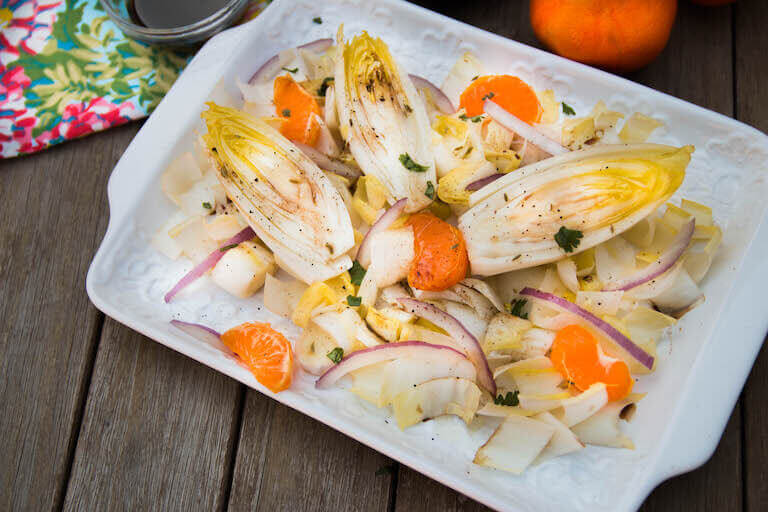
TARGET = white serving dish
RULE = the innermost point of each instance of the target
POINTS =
(690, 398)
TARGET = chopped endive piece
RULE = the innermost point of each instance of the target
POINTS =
(384, 119)
(287, 200)
(589, 195)
(582, 406)
(437, 397)
(602, 428)
(407, 373)
(243, 269)
(515, 444)
(563, 440)
(638, 128)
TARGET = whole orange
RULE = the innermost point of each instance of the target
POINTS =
(619, 35)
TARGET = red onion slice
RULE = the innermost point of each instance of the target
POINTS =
(327, 163)
(387, 218)
(520, 127)
(198, 331)
(441, 100)
(381, 353)
(272, 65)
(665, 262)
(318, 45)
(208, 262)
(459, 333)
(601, 325)
(478, 184)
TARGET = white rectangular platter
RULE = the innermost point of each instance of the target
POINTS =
(677, 425)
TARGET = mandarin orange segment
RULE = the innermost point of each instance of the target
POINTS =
(440, 254)
(265, 352)
(577, 356)
(297, 108)
(509, 92)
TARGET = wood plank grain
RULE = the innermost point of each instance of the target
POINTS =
(695, 66)
(751, 43)
(288, 461)
(158, 430)
(54, 213)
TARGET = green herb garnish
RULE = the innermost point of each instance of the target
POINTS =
(227, 247)
(568, 239)
(352, 300)
(412, 166)
(477, 119)
(336, 354)
(516, 308)
(430, 192)
(568, 110)
(356, 273)
(317, 20)
(489, 96)
(463, 117)
(510, 400)
(207, 205)
(290, 70)
(324, 86)
(286, 112)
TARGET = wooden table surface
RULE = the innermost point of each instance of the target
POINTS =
(96, 416)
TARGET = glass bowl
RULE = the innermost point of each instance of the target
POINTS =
(185, 35)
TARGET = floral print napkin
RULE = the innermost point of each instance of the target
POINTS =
(66, 71)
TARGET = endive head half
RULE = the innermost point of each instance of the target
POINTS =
(384, 120)
(599, 192)
(287, 200)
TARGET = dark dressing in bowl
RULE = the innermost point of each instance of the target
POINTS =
(172, 13)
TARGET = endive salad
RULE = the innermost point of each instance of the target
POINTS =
(476, 249)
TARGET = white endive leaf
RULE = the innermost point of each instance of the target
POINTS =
(384, 120)
(287, 200)
(598, 192)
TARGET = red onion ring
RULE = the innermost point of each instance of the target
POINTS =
(271, 67)
(327, 163)
(198, 331)
(441, 100)
(520, 127)
(459, 333)
(666, 261)
(381, 353)
(209, 262)
(601, 325)
(383, 222)
(478, 184)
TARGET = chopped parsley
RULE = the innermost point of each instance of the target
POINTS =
(324, 86)
(516, 308)
(430, 192)
(286, 112)
(317, 20)
(290, 70)
(336, 354)
(511, 399)
(568, 239)
(474, 119)
(568, 110)
(489, 96)
(356, 273)
(207, 205)
(412, 166)
(227, 247)
(354, 301)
